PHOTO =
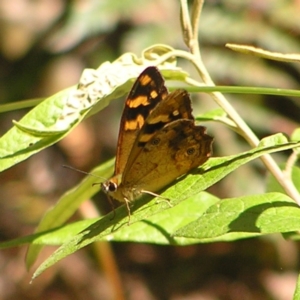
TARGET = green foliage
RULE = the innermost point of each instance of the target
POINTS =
(194, 216)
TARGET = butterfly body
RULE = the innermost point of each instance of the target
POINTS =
(158, 140)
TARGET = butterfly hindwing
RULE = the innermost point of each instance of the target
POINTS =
(174, 150)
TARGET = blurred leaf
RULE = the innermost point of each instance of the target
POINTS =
(295, 136)
(297, 290)
(290, 57)
(273, 185)
(66, 207)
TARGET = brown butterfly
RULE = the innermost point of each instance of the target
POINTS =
(158, 140)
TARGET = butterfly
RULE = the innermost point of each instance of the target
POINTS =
(158, 140)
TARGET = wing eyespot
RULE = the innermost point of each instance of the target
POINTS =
(190, 151)
(155, 141)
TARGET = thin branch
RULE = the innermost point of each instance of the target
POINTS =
(190, 33)
(290, 164)
(196, 13)
(185, 21)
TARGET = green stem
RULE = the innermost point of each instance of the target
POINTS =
(247, 133)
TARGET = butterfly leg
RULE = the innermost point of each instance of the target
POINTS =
(127, 203)
(163, 199)
(112, 207)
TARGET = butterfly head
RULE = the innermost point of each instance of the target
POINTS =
(116, 190)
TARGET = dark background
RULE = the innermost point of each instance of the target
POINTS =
(44, 47)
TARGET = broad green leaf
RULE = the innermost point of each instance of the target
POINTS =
(189, 185)
(17, 144)
(275, 139)
(168, 220)
(245, 216)
(57, 115)
(159, 227)
(53, 237)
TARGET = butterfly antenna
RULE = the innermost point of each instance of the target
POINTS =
(83, 172)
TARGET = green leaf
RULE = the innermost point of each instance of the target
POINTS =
(295, 136)
(189, 185)
(17, 144)
(217, 115)
(168, 220)
(292, 57)
(275, 139)
(53, 237)
(213, 115)
(57, 115)
(159, 227)
(243, 217)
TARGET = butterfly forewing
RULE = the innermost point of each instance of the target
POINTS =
(175, 106)
(147, 91)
